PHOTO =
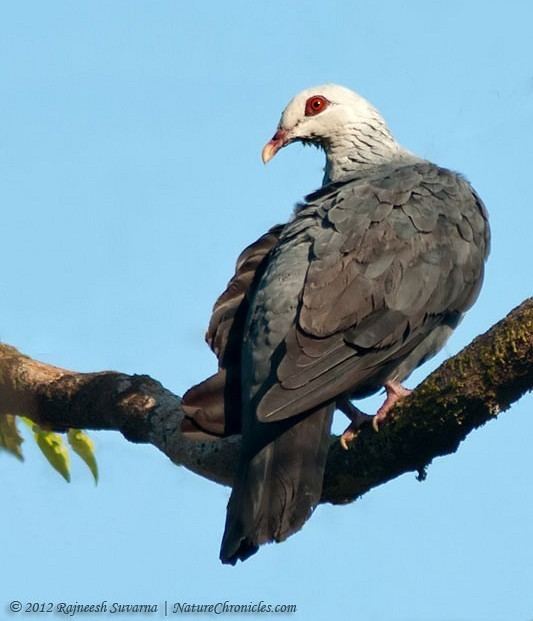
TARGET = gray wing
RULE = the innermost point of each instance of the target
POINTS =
(361, 287)
(228, 308)
(212, 407)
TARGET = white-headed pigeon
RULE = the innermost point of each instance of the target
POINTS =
(364, 283)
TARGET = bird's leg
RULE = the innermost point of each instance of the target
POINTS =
(395, 392)
(357, 417)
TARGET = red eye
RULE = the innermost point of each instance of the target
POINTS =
(315, 104)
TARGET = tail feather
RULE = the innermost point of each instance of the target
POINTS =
(278, 487)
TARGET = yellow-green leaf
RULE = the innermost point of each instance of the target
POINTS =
(54, 449)
(10, 438)
(83, 446)
(27, 421)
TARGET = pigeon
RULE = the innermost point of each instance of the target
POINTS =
(364, 283)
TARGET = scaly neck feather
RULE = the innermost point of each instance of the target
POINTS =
(359, 147)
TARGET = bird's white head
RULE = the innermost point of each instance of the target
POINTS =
(349, 129)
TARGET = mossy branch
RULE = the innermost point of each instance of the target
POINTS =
(468, 390)
(465, 392)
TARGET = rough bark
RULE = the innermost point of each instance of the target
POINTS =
(468, 390)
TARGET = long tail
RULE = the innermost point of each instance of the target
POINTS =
(276, 490)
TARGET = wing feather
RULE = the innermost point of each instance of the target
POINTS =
(392, 258)
(213, 407)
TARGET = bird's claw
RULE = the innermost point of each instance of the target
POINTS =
(348, 437)
(358, 419)
(395, 392)
(351, 432)
(377, 419)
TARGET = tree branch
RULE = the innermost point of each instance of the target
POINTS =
(468, 390)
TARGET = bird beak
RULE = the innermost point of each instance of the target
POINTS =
(279, 140)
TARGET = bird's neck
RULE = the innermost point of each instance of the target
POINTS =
(361, 148)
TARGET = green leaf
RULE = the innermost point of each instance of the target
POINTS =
(54, 449)
(56, 452)
(10, 438)
(83, 446)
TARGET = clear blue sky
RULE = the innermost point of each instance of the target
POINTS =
(130, 135)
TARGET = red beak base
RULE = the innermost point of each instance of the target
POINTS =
(279, 140)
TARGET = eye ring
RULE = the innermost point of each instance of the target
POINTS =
(315, 104)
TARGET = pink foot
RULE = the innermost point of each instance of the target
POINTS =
(395, 392)
(358, 419)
